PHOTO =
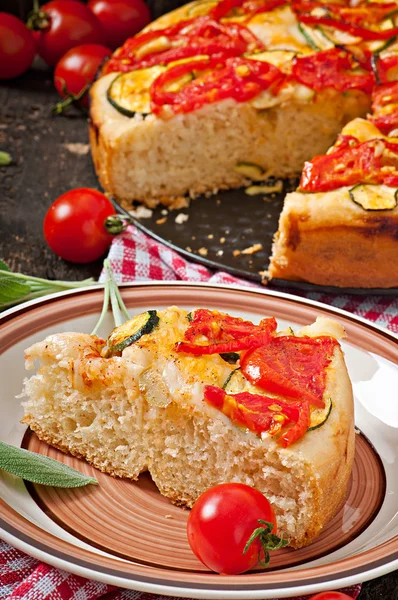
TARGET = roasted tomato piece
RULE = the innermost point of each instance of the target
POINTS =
(213, 80)
(374, 161)
(331, 69)
(294, 367)
(262, 414)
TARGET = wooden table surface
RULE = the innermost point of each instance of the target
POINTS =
(50, 156)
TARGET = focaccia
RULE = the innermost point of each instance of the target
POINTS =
(153, 398)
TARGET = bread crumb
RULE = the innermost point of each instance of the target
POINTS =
(253, 249)
(222, 240)
(168, 516)
(164, 212)
(179, 202)
(236, 252)
(203, 251)
(181, 218)
(220, 252)
(210, 236)
(188, 248)
(77, 148)
(161, 221)
(141, 212)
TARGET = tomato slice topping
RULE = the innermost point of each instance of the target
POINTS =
(348, 19)
(294, 367)
(226, 333)
(261, 413)
(331, 69)
(239, 79)
(188, 38)
(385, 107)
(367, 162)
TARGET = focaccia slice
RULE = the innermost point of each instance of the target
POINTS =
(143, 409)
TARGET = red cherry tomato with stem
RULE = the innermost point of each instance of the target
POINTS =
(61, 25)
(76, 71)
(221, 523)
(331, 596)
(74, 225)
(120, 19)
(17, 47)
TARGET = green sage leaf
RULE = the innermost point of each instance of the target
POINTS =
(11, 289)
(40, 469)
(4, 266)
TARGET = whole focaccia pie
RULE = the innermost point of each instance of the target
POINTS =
(218, 94)
(202, 398)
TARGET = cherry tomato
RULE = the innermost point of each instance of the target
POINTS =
(74, 225)
(330, 596)
(17, 47)
(222, 521)
(63, 24)
(78, 67)
(120, 19)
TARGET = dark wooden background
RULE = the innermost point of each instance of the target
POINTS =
(46, 163)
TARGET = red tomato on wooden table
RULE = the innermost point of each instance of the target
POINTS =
(330, 596)
(62, 24)
(120, 19)
(77, 69)
(17, 47)
(221, 523)
(74, 226)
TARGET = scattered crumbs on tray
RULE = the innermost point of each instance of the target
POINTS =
(141, 212)
(253, 249)
(168, 516)
(193, 237)
(210, 236)
(357, 431)
(181, 218)
(264, 277)
(188, 248)
(222, 240)
(203, 251)
(77, 148)
(179, 202)
(227, 231)
(243, 237)
(220, 252)
(161, 221)
(164, 212)
(236, 252)
(218, 201)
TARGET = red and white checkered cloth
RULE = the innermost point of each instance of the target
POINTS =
(136, 257)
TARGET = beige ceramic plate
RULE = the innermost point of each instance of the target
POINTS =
(126, 534)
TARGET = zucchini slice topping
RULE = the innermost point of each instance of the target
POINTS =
(131, 331)
(230, 357)
(129, 92)
(274, 57)
(315, 38)
(319, 416)
(251, 171)
(374, 197)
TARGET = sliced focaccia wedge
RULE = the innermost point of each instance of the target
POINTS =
(341, 226)
(202, 398)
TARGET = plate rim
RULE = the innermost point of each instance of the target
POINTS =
(340, 580)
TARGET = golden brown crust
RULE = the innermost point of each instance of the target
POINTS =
(327, 240)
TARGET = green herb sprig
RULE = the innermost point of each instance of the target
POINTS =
(40, 469)
(16, 287)
(112, 294)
